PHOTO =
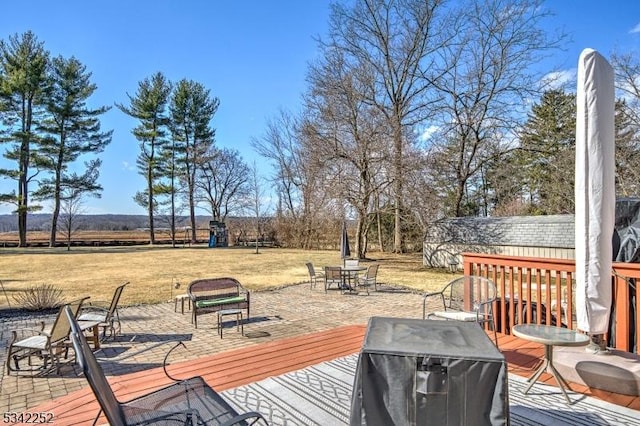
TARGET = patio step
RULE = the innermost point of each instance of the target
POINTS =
(617, 371)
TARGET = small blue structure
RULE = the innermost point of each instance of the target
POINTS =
(217, 234)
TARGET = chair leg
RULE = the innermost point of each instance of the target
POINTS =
(493, 327)
(10, 356)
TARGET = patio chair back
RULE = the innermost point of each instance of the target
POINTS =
(371, 276)
(470, 293)
(94, 374)
(332, 275)
(372, 271)
(311, 269)
(107, 317)
(468, 298)
(313, 277)
(351, 263)
(61, 327)
(116, 298)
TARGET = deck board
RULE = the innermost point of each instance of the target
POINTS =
(229, 369)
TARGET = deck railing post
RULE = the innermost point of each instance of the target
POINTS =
(622, 320)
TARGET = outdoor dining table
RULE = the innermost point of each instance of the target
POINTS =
(350, 275)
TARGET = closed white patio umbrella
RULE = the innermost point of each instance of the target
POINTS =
(594, 194)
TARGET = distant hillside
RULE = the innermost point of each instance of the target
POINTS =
(94, 222)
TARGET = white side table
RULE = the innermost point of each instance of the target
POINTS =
(181, 298)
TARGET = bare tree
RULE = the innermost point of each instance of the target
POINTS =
(627, 70)
(72, 208)
(350, 136)
(485, 76)
(297, 178)
(256, 203)
(395, 39)
(223, 182)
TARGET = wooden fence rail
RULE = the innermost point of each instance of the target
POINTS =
(542, 291)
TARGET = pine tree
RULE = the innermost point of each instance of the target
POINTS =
(547, 153)
(23, 84)
(71, 130)
(192, 109)
(149, 107)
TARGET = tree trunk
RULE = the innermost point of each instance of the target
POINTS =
(397, 235)
(379, 224)
(459, 196)
(54, 222)
(152, 232)
(192, 213)
(22, 205)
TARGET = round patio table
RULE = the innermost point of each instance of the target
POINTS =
(550, 336)
(349, 275)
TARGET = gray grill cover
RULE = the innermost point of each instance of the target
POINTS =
(429, 372)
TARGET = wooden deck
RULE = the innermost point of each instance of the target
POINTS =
(227, 370)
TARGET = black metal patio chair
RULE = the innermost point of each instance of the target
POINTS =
(189, 402)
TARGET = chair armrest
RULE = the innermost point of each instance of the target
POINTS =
(88, 309)
(166, 358)
(97, 304)
(241, 419)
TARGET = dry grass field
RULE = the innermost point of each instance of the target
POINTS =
(152, 271)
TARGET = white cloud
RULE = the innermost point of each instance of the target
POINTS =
(635, 29)
(559, 79)
(426, 134)
(126, 166)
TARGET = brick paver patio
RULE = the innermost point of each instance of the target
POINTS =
(149, 331)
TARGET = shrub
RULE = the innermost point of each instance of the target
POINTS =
(38, 298)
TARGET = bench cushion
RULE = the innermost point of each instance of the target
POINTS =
(223, 301)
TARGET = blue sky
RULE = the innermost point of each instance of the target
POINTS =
(251, 54)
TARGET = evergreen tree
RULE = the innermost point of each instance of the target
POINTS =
(149, 107)
(72, 129)
(192, 109)
(547, 153)
(23, 84)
